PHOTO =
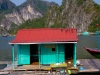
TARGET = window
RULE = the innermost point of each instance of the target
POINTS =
(53, 49)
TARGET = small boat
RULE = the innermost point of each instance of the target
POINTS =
(4, 35)
(95, 52)
(85, 33)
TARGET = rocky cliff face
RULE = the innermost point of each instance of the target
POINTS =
(25, 13)
(72, 13)
(5, 7)
(31, 9)
(18, 17)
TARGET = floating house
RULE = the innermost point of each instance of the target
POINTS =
(45, 46)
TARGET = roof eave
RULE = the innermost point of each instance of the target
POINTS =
(42, 42)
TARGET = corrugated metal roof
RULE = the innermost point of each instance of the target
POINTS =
(46, 35)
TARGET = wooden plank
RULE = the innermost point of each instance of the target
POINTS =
(19, 69)
(85, 64)
(4, 73)
(97, 64)
(89, 70)
(28, 74)
(90, 65)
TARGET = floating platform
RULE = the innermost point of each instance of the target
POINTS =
(87, 66)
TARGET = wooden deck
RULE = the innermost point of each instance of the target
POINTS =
(27, 68)
(90, 65)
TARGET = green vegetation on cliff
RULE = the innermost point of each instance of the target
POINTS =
(96, 19)
(36, 23)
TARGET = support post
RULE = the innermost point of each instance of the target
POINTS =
(13, 56)
(57, 53)
(74, 56)
(39, 57)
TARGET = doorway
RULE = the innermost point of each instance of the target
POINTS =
(69, 48)
(34, 59)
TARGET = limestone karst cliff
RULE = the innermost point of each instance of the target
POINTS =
(17, 15)
(80, 14)
(73, 13)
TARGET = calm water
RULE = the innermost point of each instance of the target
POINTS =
(5, 48)
(88, 41)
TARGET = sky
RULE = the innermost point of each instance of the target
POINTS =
(18, 2)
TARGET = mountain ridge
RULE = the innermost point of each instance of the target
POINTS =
(74, 13)
(80, 14)
(19, 14)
